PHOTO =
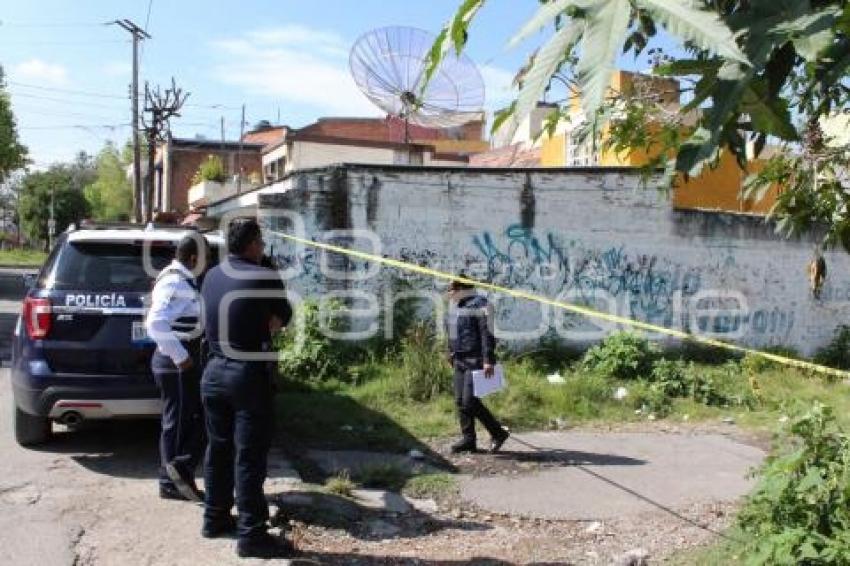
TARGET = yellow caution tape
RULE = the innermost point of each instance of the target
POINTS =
(585, 311)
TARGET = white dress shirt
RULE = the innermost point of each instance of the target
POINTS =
(172, 298)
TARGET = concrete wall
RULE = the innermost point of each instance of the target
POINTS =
(306, 155)
(309, 155)
(590, 236)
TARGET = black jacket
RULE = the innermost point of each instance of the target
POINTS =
(469, 329)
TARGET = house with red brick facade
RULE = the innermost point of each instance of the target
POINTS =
(376, 141)
(177, 160)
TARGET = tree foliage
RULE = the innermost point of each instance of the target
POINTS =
(758, 71)
(110, 196)
(13, 155)
(61, 184)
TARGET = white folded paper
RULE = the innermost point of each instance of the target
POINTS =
(483, 386)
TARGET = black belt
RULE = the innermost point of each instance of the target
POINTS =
(467, 361)
(466, 356)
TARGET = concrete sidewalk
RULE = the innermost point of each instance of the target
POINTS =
(591, 476)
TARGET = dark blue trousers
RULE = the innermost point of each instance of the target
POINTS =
(181, 440)
(238, 405)
(470, 407)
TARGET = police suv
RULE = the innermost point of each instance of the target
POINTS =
(80, 350)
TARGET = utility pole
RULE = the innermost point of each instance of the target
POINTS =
(138, 35)
(51, 222)
(239, 153)
(161, 107)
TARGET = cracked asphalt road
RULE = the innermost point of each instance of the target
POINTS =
(90, 497)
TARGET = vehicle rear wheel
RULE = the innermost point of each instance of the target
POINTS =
(31, 430)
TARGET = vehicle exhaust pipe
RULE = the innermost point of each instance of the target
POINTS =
(71, 418)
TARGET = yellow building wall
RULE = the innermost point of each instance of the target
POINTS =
(553, 152)
(715, 189)
(720, 189)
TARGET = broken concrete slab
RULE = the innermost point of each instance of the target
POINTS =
(382, 501)
(428, 506)
(332, 462)
(382, 529)
(318, 508)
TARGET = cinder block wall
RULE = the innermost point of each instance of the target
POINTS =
(591, 236)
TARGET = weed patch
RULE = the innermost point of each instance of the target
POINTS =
(340, 485)
(382, 476)
(800, 512)
(434, 486)
(622, 355)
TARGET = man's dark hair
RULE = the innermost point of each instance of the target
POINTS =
(186, 248)
(241, 233)
(455, 285)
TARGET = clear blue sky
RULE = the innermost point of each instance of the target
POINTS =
(281, 56)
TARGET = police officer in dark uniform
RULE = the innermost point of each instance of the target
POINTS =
(243, 305)
(471, 347)
(173, 324)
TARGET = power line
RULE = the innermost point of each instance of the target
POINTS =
(68, 90)
(147, 22)
(148, 17)
(40, 110)
(61, 100)
(75, 126)
(81, 42)
(4, 23)
(112, 96)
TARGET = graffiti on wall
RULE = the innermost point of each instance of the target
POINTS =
(649, 287)
(550, 265)
(641, 286)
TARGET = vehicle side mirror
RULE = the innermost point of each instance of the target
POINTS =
(29, 280)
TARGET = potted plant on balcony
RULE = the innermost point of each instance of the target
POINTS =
(211, 169)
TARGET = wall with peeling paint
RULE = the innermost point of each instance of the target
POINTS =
(590, 236)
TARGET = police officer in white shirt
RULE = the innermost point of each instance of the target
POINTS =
(173, 322)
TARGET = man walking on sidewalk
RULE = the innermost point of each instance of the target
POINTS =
(472, 347)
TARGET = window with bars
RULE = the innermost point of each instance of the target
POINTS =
(580, 153)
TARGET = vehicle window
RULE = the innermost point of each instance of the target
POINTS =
(105, 267)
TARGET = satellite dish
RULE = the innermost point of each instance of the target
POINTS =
(388, 65)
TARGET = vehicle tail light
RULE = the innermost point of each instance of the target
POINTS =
(37, 317)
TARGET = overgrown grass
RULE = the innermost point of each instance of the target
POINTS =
(727, 550)
(399, 399)
(376, 413)
(341, 485)
(22, 258)
(434, 486)
(382, 476)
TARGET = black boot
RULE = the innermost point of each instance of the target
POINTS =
(264, 546)
(464, 445)
(184, 482)
(219, 528)
(497, 441)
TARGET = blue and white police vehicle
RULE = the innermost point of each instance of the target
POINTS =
(80, 350)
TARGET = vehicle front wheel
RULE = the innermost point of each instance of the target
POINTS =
(31, 430)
